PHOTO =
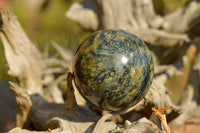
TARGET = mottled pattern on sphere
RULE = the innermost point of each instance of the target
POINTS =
(113, 69)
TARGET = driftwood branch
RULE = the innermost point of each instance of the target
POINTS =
(137, 17)
(21, 55)
(165, 34)
(23, 105)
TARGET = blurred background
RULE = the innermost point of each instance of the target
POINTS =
(45, 21)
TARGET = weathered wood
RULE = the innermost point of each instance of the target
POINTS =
(23, 106)
(190, 97)
(189, 14)
(25, 64)
(140, 126)
(71, 100)
(135, 16)
(21, 55)
(165, 34)
(85, 11)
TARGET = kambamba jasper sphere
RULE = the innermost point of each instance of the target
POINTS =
(113, 69)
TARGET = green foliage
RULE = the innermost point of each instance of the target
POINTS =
(174, 4)
(3, 68)
(51, 24)
(159, 7)
(164, 7)
(48, 25)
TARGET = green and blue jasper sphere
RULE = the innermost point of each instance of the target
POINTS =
(113, 69)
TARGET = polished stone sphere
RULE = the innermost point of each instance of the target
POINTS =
(113, 69)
